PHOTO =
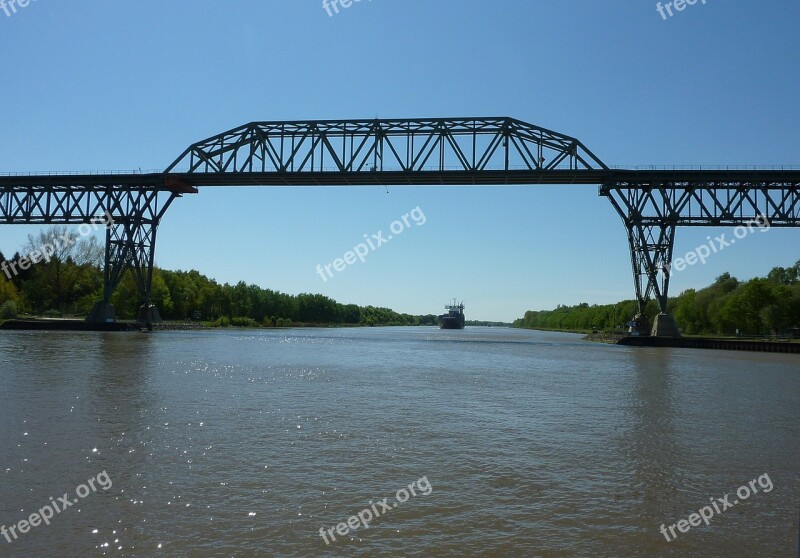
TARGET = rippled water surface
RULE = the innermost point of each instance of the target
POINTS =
(246, 443)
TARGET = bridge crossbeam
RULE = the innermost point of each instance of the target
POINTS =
(716, 204)
(75, 204)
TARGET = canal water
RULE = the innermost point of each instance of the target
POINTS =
(482, 442)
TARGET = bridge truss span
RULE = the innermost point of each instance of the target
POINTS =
(369, 146)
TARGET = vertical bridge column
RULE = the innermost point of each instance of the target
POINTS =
(130, 244)
(651, 241)
(651, 256)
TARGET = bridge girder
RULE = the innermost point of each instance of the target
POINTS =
(44, 203)
(713, 203)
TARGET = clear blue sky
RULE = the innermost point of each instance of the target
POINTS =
(96, 85)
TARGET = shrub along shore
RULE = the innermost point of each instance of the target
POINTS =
(763, 306)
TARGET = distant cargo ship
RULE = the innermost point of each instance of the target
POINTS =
(454, 319)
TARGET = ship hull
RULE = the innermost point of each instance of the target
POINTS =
(450, 323)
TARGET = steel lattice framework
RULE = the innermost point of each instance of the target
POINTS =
(406, 146)
(706, 198)
(77, 199)
(132, 205)
(458, 151)
(653, 203)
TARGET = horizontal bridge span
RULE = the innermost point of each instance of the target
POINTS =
(397, 178)
(153, 180)
(605, 178)
(608, 180)
(78, 182)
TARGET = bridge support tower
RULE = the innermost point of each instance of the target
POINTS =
(130, 245)
(651, 254)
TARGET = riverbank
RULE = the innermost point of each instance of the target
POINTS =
(760, 346)
(71, 324)
(718, 343)
(558, 330)
(610, 338)
(64, 324)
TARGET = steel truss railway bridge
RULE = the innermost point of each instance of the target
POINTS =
(418, 152)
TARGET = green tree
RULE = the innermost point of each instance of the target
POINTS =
(9, 292)
(8, 310)
(66, 268)
(688, 314)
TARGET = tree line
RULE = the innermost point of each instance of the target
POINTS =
(762, 306)
(69, 282)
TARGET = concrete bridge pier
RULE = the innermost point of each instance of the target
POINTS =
(639, 326)
(665, 326)
(148, 315)
(102, 313)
